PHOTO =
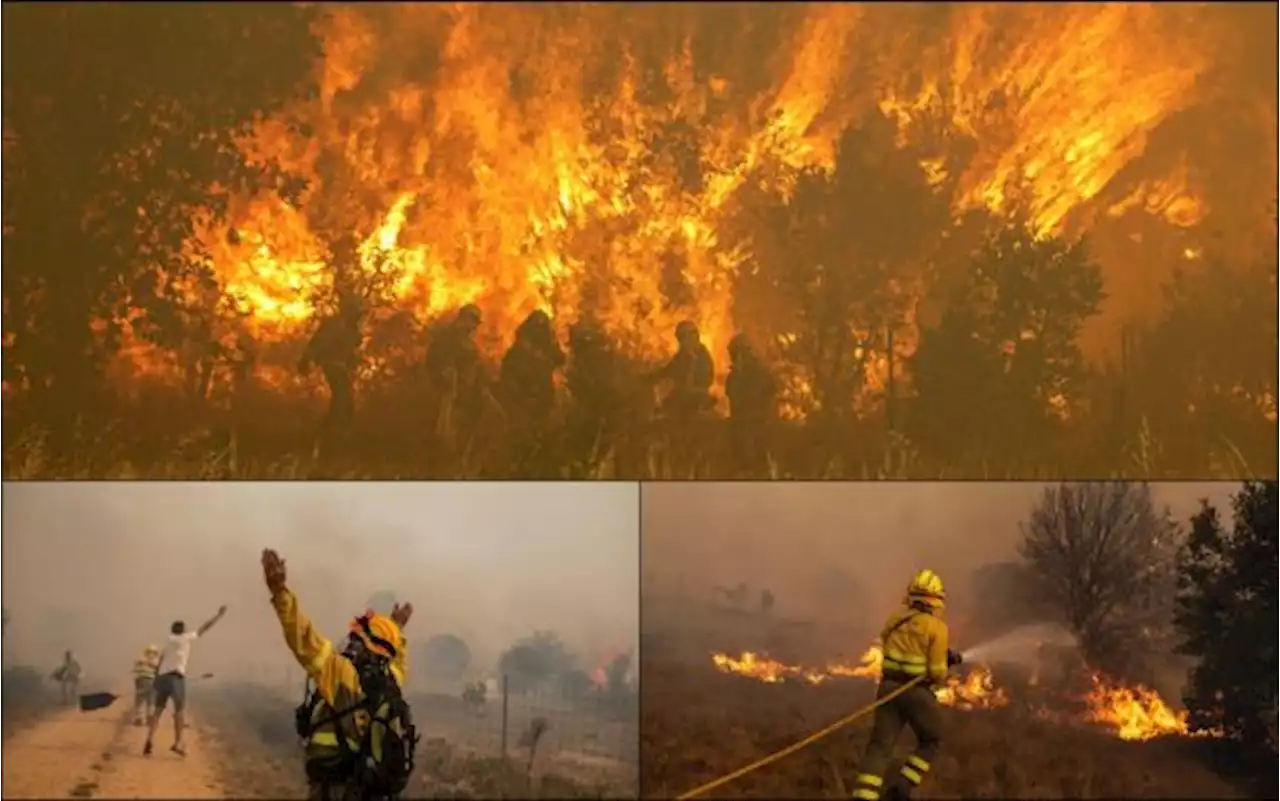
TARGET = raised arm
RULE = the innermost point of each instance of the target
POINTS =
(314, 652)
(208, 624)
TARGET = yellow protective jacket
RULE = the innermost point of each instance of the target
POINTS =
(335, 679)
(145, 667)
(914, 643)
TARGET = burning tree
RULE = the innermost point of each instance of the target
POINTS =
(1100, 555)
(1226, 614)
(98, 228)
(1006, 344)
(1203, 377)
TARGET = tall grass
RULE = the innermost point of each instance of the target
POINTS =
(284, 441)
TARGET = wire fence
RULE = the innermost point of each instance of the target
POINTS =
(578, 732)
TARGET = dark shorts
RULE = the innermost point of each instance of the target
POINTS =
(171, 685)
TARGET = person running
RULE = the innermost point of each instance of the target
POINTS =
(144, 679)
(171, 679)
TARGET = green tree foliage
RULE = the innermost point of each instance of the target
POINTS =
(1226, 614)
(993, 376)
(121, 125)
(1101, 557)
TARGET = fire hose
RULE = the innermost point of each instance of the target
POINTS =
(801, 744)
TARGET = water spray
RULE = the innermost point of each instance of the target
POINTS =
(1021, 645)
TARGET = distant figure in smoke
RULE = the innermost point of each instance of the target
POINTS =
(689, 372)
(335, 347)
(751, 390)
(456, 373)
(526, 381)
(68, 677)
(474, 697)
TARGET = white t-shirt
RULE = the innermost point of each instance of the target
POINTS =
(177, 650)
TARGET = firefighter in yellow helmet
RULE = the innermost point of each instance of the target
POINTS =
(914, 645)
(358, 730)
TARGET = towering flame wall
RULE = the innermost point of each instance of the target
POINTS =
(591, 158)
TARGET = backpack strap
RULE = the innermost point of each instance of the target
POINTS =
(884, 635)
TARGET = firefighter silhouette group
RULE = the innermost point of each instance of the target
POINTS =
(604, 391)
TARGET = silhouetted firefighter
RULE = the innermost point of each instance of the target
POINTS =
(751, 390)
(335, 348)
(457, 376)
(526, 382)
(689, 373)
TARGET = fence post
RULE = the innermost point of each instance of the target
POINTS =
(504, 716)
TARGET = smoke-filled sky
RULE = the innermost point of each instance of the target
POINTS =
(104, 568)
(792, 537)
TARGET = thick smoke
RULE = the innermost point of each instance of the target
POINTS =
(103, 569)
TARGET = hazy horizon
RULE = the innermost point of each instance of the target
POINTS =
(104, 568)
(803, 540)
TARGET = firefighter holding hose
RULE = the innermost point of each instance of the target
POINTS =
(914, 646)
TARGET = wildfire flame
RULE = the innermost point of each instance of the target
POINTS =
(1131, 713)
(1136, 713)
(975, 690)
(522, 169)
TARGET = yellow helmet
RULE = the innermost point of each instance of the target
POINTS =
(379, 633)
(926, 588)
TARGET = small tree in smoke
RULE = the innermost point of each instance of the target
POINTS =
(1101, 556)
(1226, 614)
(446, 657)
(535, 660)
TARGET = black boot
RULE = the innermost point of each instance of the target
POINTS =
(897, 791)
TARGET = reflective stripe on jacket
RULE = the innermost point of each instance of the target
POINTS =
(917, 647)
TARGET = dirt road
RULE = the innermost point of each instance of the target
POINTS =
(76, 754)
